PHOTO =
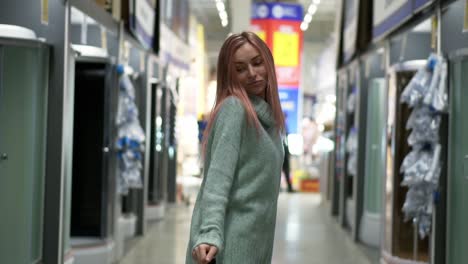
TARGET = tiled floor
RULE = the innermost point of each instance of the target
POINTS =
(305, 233)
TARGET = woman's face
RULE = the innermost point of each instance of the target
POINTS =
(250, 70)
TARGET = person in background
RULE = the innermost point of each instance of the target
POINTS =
(202, 122)
(286, 165)
(234, 216)
(287, 159)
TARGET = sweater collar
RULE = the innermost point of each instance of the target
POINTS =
(263, 110)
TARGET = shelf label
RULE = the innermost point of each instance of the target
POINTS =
(142, 61)
(45, 12)
(465, 23)
(434, 33)
(103, 38)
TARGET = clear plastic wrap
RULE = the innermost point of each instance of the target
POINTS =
(417, 87)
(351, 141)
(351, 103)
(416, 172)
(440, 97)
(427, 94)
(423, 118)
(427, 100)
(352, 164)
(427, 131)
(418, 200)
(130, 138)
(410, 159)
(418, 207)
(425, 124)
(436, 166)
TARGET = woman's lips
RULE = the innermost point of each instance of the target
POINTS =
(256, 83)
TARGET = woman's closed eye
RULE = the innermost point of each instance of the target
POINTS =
(257, 62)
(240, 69)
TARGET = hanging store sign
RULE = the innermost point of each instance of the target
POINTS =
(174, 51)
(465, 23)
(389, 14)
(278, 24)
(290, 103)
(45, 12)
(283, 11)
(142, 21)
(420, 4)
(350, 28)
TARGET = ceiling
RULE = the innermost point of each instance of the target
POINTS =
(319, 31)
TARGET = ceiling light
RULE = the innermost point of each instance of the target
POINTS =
(223, 15)
(312, 9)
(308, 18)
(220, 6)
(224, 23)
(316, 2)
(304, 26)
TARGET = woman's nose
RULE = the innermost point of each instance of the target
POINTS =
(251, 71)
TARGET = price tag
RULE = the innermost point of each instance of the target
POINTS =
(142, 61)
(126, 54)
(45, 12)
(103, 38)
(465, 23)
(434, 33)
(367, 69)
(286, 49)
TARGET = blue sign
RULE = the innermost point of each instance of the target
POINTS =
(420, 4)
(278, 11)
(390, 16)
(289, 99)
(350, 30)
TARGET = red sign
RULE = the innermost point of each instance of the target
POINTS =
(285, 38)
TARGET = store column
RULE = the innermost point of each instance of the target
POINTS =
(240, 20)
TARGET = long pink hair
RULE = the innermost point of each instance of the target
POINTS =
(228, 85)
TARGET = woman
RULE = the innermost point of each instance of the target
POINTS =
(235, 213)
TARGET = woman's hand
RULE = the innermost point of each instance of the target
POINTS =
(204, 253)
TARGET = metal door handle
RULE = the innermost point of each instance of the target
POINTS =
(465, 174)
(3, 157)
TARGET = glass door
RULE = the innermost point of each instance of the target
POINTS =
(375, 149)
(23, 108)
(457, 228)
(374, 170)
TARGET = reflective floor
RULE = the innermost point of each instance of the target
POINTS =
(305, 233)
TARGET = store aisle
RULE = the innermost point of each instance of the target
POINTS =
(305, 233)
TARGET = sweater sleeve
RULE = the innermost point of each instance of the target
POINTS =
(224, 156)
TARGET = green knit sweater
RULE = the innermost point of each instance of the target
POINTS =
(236, 207)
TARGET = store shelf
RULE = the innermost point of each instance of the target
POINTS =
(96, 12)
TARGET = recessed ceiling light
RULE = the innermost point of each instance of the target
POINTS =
(220, 6)
(308, 18)
(312, 9)
(223, 15)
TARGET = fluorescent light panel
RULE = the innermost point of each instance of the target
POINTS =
(310, 13)
(222, 12)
